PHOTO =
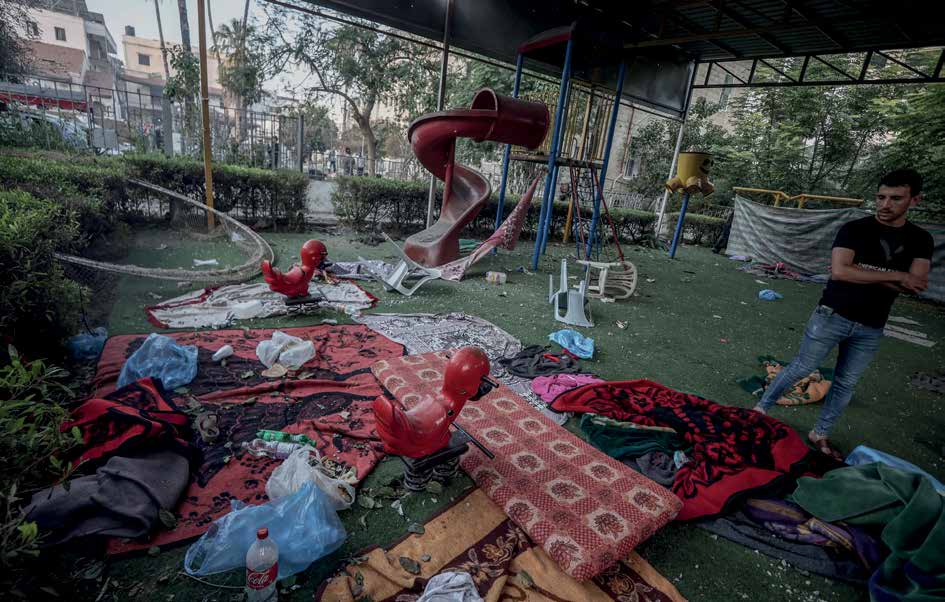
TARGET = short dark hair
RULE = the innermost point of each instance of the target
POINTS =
(904, 177)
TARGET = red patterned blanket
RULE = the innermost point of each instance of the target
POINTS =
(329, 400)
(736, 452)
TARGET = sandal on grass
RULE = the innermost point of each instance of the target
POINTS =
(823, 445)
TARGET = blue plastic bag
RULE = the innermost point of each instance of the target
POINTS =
(88, 345)
(575, 342)
(769, 295)
(862, 454)
(160, 357)
(303, 525)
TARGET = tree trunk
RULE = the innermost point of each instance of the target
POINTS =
(184, 25)
(362, 116)
(370, 143)
(157, 13)
(187, 105)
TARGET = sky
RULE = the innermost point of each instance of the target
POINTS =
(140, 14)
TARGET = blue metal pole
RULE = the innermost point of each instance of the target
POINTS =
(546, 200)
(499, 214)
(603, 170)
(679, 224)
(553, 178)
(549, 215)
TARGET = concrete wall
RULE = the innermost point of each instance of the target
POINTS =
(48, 20)
(152, 48)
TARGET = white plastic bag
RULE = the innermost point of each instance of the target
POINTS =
(291, 352)
(299, 468)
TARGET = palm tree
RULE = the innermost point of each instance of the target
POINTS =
(157, 14)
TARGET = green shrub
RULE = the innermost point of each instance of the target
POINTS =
(39, 306)
(97, 188)
(372, 204)
(32, 412)
(697, 229)
(250, 193)
(94, 190)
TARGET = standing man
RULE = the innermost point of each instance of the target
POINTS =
(873, 260)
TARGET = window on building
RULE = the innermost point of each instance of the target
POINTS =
(32, 29)
(144, 59)
(60, 34)
(726, 92)
(631, 169)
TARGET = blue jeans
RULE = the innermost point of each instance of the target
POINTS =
(825, 330)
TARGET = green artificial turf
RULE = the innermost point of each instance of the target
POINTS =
(695, 325)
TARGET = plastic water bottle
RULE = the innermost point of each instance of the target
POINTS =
(267, 435)
(262, 568)
(273, 449)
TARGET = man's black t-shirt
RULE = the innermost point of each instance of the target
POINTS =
(876, 247)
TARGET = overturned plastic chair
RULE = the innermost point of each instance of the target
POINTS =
(616, 280)
(406, 270)
(573, 303)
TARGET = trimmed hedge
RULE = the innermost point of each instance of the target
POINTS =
(99, 188)
(39, 306)
(248, 193)
(371, 204)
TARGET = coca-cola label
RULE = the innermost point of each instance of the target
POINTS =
(261, 579)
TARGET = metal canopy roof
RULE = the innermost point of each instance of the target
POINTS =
(661, 38)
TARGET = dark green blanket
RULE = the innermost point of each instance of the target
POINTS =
(907, 509)
(622, 440)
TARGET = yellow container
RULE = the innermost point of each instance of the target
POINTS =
(693, 165)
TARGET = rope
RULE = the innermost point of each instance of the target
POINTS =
(613, 228)
(249, 268)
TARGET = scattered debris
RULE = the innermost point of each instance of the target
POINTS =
(416, 528)
(902, 320)
(154, 551)
(398, 506)
(410, 565)
(222, 353)
(329, 321)
(621, 324)
(769, 295)
(717, 317)
(426, 558)
(367, 502)
(434, 487)
(276, 371)
(496, 277)
(202, 262)
(167, 519)
(906, 334)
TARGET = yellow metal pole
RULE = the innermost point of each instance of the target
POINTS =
(205, 106)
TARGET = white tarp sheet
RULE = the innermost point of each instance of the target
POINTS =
(802, 239)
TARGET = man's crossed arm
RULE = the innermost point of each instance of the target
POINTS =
(843, 269)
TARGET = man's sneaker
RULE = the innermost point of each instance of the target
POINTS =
(760, 410)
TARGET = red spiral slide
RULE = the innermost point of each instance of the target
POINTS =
(433, 139)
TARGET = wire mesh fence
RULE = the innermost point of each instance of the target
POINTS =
(135, 116)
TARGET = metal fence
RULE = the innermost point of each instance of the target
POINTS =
(331, 164)
(136, 116)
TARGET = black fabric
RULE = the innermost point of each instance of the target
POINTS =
(532, 361)
(657, 466)
(122, 499)
(880, 248)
